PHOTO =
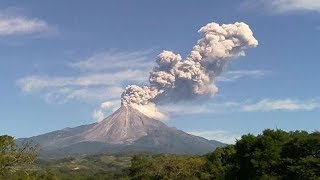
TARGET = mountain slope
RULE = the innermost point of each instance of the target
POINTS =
(126, 130)
(124, 126)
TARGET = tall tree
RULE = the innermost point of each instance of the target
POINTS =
(14, 158)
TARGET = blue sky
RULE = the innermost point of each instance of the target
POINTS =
(60, 60)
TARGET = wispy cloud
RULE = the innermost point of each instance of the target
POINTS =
(95, 83)
(113, 59)
(264, 105)
(219, 135)
(15, 24)
(282, 105)
(229, 76)
(294, 5)
(31, 83)
(246, 106)
(195, 108)
(85, 94)
(281, 6)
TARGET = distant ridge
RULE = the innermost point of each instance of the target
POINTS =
(126, 130)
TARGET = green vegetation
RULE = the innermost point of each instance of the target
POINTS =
(167, 167)
(275, 154)
(14, 160)
(88, 167)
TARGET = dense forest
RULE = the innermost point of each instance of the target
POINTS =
(274, 154)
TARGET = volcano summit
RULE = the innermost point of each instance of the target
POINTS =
(126, 130)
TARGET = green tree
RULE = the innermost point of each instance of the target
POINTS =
(14, 158)
(221, 164)
(259, 156)
(274, 154)
(301, 156)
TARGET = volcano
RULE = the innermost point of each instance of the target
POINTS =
(127, 130)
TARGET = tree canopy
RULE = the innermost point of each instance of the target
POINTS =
(14, 158)
(274, 154)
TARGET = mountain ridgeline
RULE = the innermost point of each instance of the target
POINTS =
(127, 130)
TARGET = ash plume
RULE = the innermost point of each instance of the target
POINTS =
(175, 79)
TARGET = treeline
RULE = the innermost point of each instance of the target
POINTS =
(274, 154)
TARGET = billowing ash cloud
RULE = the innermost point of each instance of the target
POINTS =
(175, 79)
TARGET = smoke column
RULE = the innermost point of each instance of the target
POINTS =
(175, 79)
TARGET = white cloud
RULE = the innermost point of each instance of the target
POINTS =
(98, 115)
(113, 59)
(92, 94)
(282, 105)
(112, 104)
(195, 108)
(31, 83)
(218, 135)
(15, 24)
(293, 5)
(101, 79)
(105, 108)
(264, 105)
(97, 84)
(281, 6)
(91, 87)
(229, 76)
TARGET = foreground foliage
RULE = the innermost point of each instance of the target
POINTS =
(14, 160)
(274, 154)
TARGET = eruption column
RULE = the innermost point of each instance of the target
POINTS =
(174, 79)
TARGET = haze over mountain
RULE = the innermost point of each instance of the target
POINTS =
(126, 130)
